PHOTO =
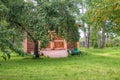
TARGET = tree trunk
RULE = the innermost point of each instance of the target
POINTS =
(13, 39)
(103, 39)
(88, 37)
(36, 49)
(85, 36)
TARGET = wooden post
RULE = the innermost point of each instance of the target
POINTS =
(25, 45)
(52, 45)
(65, 44)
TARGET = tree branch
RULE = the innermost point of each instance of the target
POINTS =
(23, 28)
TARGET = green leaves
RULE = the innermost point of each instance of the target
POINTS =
(101, 11)
(36, 18)
(10, 37)
(6, 55)
(53, 15)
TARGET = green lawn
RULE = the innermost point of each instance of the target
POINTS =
(93, 64)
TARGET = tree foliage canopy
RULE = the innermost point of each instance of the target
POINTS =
(36, 18)
(105, 11)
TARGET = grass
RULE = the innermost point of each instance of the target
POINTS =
(93, 64)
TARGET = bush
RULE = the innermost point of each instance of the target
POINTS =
(95, 45)
(116, 41)
(6, 55)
